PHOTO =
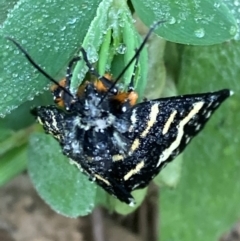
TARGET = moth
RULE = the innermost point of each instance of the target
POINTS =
(119, 143)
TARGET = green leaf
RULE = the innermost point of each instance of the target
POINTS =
(12, 163)
(14, 140)
(5, 133)
(206, 202)
(189, 22)
(51, 32)
(61, 185)
(171, 174)
(156, 77)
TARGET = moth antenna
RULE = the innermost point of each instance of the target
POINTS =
(36, 66)
(138, 51)
(135, 56)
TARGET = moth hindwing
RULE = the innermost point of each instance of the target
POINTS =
(120, 144)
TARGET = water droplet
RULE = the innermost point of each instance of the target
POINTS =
(44, 16)
(50, 34)
(217, 5)
(15, 75)
(182, 16)
(233, 30)
(16, 51)
(121, 49)
(92, 54)
(172, 20)
(236, 3)
(24, 42)
(46, 88)
(199, 33)
(84, 6)
(63, 28)
(30, 98)
(72, 21)
(81, 76)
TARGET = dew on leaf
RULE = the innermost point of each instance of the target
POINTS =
(199, 33)
(72, 21)
(63, 28)
(92, 54)
(16, 51)
(216, 4)
(172, 20)
(15, 75)
(236, 3)
(121, 49)
(24, 42)
(233, 30)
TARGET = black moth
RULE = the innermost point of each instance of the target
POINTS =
(120, 145)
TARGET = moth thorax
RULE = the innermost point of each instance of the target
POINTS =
(102, 123)
(91, 106)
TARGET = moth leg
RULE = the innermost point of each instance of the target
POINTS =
(67, 99)
(92, 70)
(131, 96)
(69, 71)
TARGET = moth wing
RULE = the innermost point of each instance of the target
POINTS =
(160, 130)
